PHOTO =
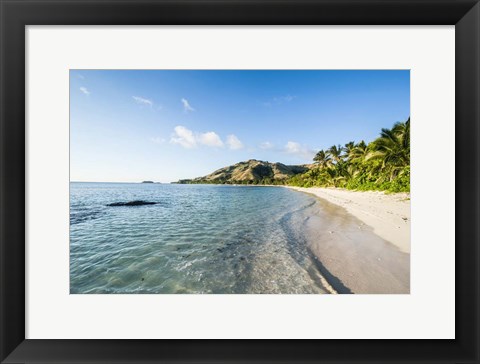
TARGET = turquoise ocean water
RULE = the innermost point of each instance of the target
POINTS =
(196, 239)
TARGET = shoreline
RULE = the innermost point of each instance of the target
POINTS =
(359, 240)
(387, 214)
(309, 243)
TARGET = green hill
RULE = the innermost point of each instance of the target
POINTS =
(250, 172)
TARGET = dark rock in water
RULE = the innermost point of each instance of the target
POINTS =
(147, 182)
(132, 203)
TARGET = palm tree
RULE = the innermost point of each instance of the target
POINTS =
(322, 159)
(402, 130)
(359, 152)
(393, 148)
(348, 149)
(335, 153)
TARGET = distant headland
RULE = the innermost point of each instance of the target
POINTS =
(250, 172)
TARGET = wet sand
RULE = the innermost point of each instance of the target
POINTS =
(350, 254)
(387, 214)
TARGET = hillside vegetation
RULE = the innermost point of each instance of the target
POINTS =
(250, 172)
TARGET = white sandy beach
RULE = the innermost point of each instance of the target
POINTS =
(362, 240)
(387, 214)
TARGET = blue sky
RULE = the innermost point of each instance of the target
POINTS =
(135, 125)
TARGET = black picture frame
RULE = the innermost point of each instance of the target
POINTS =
(16, 14)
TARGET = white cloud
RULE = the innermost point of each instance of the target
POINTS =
(266, 145)
(85, 91)
(186, 106)
(233, 142)
(157, 140)
(299, 150)
(141, 101)
(80, 76)
(184, 137)
(189, 139)
(292, 147)
(283, 99)
(279, 100)
(210, 139)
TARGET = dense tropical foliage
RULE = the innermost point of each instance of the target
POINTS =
(383, 164)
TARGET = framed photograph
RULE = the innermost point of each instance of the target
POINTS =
(188, 225)
(196, 181)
